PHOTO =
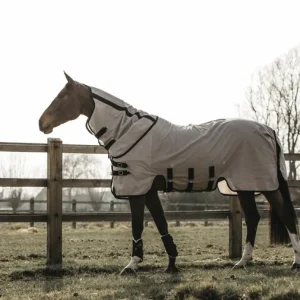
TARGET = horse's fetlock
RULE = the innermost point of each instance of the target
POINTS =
(137, 248)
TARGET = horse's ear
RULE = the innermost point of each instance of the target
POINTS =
(70, 80)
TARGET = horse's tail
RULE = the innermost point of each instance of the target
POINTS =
(278, 231)
(279, 234)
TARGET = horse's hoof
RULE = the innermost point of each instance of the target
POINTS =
(171, 270)
(128, 271)
(239, 267)
(295, 266)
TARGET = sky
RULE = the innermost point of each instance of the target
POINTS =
(185, 61)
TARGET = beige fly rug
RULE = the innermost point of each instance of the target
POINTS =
(231, 154)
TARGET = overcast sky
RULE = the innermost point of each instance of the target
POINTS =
(186, 61)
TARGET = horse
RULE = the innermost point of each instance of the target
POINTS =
(149, 154)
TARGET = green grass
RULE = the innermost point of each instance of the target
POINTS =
(94, 254)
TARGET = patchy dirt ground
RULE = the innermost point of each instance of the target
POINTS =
(93, 255)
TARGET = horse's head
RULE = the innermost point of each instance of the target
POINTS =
(71, 101)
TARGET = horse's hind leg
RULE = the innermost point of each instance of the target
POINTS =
(154, 205)
(252, 218)
(137, 206)
(287, 215)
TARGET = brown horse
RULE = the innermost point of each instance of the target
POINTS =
(115, 124)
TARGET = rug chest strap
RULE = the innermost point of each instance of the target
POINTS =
(190, 180)
(120, 173)
(211, 178)
(100, 132)
(169, 179)
(109, 144)
(119, 164)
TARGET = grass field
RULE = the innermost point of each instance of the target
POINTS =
(93, 255)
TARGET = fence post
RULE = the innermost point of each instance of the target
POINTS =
(205, 209)
(177, 224)
(54, 203)
(74, 210)
(31, 203)
(112, 209)
(235, 228)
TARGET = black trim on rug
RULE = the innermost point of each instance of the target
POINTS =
(130, 148)
(120, 108)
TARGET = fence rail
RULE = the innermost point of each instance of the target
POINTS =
(126, 216)
(55, 183)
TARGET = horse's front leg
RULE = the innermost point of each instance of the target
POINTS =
(137, 206)
(154, 205)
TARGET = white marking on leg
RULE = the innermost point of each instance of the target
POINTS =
(296, 246)
(136, 240)
(247, 255)
(133, 262)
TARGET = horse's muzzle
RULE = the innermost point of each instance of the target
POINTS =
(44, 127)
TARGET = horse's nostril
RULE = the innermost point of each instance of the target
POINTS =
(41, 124)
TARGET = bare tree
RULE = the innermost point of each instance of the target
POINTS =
(168, 199)
(15, 198)
(273, 99)
(96, 198)
(77, 166)
(13, 166)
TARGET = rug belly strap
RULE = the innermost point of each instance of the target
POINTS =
(190, 180)
(169, 180)
(211, 178)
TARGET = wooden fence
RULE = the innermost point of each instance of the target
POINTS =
(55, 183)
(113, 206)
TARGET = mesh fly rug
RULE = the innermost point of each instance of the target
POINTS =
(231, 154)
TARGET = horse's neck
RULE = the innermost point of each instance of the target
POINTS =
(113, 118)
(87, 103)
